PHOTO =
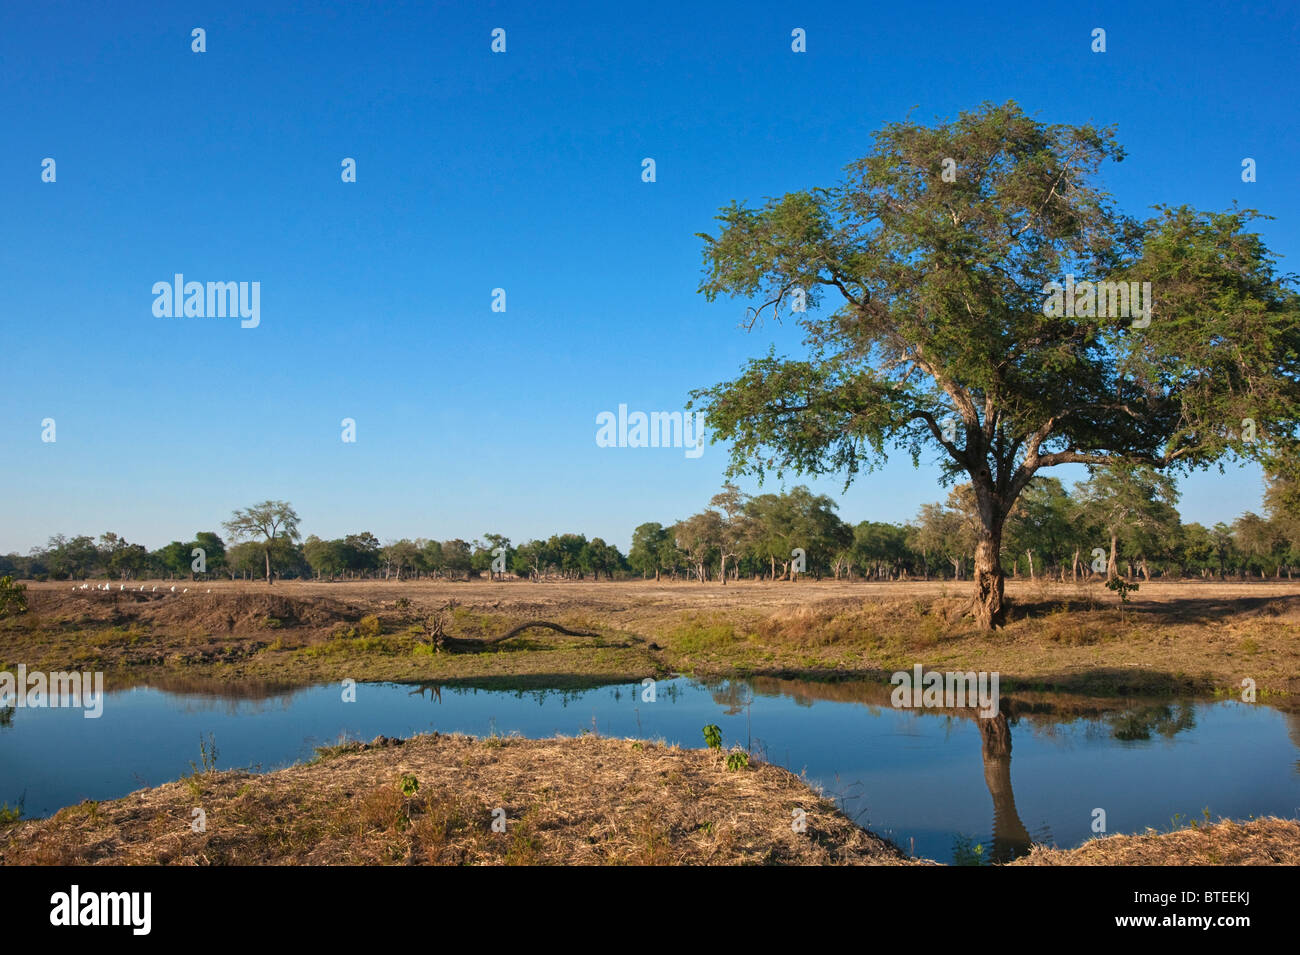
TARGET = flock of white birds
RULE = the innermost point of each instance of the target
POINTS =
(123, 587)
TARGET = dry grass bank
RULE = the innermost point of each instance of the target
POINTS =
(583, 801)
(1268, 841)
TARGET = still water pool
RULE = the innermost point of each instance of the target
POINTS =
(940, 783)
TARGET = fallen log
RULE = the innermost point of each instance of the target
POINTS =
(536, 623)
(439, 639)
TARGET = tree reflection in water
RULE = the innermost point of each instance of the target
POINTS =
(1010, 838)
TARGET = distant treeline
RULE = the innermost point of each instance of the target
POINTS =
(1118, 523)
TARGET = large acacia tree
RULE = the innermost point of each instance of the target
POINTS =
(940, 337)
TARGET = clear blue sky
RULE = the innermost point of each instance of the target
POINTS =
(521, 171)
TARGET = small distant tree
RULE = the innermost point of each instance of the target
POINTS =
(1122, 499)
(1260, 541)
(737, 530)
(174, 559)
(485, 557)
(457, 557)
(269, 521)
(214, 551)
(948, 530)
(530, 559)
(76, 557)
(1040, 523)
(244, 559)
(325, 558)
(1194, 549)
(361, 553)
(1282, 505)
(399, 554)
(698, 537)
(878, 548)
(645, 555)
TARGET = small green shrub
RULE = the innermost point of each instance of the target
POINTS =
(13, 597)
(713, 736)
(965, 851)
(737, 760)
(370, 626)
(207, 755)
(1121, 587)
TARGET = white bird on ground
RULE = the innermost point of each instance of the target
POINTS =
(155, 587)
(173, 588)
(121, 586)
(186, 590)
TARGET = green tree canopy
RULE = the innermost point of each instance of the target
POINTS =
(270, 521)
(941, 338)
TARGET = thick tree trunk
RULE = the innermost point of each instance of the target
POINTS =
(990, 612)
(268, 567)
(1112, 565)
